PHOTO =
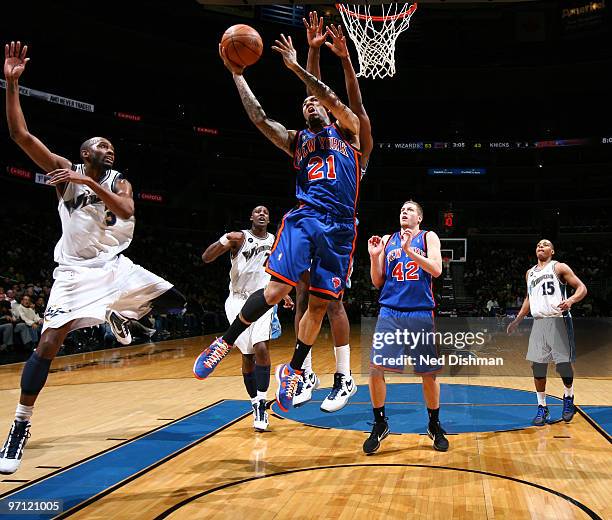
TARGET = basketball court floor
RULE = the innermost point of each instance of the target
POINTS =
(129, 433)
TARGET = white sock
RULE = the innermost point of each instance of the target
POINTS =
(307, 365)
(23, 412)
(343, 360)
(541, 398)
(568, 392)
(255, 400)
(261, 395)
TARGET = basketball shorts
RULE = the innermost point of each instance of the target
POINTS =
(552, 341)
(84, 294)
(405, 340)
(264, 329)
(310, 239)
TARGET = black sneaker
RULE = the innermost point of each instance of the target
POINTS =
(379, 432)
(568, 409)
(119, 326)
(12, 451)
(436, 433)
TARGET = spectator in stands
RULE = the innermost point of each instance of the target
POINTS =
(492, 306)
(7, 321)
(10, 297)
(26, 313)
(40, 306)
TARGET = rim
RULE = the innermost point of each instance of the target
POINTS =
(409, 12)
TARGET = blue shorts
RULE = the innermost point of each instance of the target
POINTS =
(310, 239)
(405, 339)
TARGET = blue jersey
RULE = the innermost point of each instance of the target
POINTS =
(328, 171)
(407, 286)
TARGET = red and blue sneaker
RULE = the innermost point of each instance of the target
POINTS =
(208, 360)
(288, 380)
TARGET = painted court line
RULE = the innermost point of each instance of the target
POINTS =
(84, 481)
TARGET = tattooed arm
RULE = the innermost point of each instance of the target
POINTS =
(273, 130)
(345, 116)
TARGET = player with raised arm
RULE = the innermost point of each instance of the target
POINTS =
(249, 249)
(552, 334)
(320, 233)
(402, 266)
(94, 282)
(344, 386)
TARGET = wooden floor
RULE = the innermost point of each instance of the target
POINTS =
(295, 471)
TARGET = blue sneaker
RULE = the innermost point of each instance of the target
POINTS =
(208, 360)
(568, 409)
(288, 380)
(542, 417)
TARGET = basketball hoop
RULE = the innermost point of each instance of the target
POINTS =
(375, 36)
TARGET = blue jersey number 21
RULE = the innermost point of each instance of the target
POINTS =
(317, 168)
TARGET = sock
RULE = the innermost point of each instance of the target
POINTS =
(23, 412)
(250, 385)
(299, 355)
(379, 415)
(34, 375)
(434, 415)
(261, 396)
(541, 398)
(262, 378)
(254, 400)
(343, 360)
(568, 392)
(307, 365)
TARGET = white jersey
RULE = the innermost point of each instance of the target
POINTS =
(247, 273)
(545, 291)
(91, 234)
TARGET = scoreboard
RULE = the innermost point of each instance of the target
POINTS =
(477, 145)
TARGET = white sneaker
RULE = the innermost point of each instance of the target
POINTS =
(308, 383)
(12, 451)
(344, 388)
(119, 326)
(260, 416)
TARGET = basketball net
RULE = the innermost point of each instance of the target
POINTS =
(375, 36)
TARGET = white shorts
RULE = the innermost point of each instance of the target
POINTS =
(83, 294)
(552, 341)
(261, 330)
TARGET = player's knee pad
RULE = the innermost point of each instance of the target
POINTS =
(566, 371)
(34, 375)
(255, 307)
(539, 370)
(171, 300)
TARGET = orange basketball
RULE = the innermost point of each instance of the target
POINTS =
(242, 44)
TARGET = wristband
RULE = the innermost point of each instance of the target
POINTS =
(223, 240)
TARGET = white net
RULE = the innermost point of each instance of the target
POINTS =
(374, 36)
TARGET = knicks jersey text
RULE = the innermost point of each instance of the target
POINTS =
(328, 171)
(407, 286)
